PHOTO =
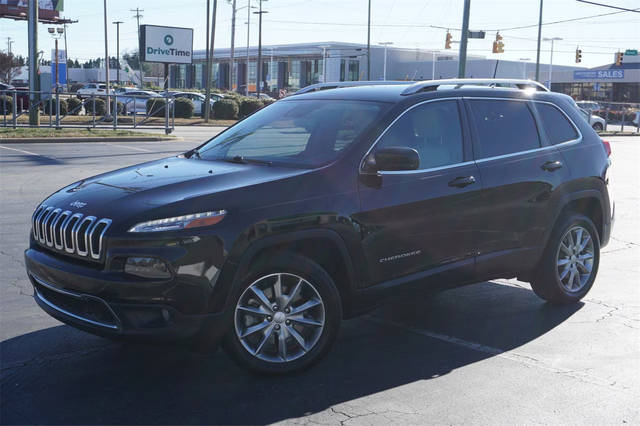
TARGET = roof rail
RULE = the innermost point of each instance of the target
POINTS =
(457, 83)
(339, 84)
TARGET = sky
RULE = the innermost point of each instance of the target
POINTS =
(405, 23)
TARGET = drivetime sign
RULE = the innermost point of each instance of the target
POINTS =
(170, 45)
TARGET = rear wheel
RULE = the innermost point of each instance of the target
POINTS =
(597, 127)
(570, 262)
(285, 316)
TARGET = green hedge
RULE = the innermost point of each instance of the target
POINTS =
(72, 104)
(52, 105)
(250, 105)
(183, 107)
(6, 104)
(100, 106)
(226, 109)
(155, 107)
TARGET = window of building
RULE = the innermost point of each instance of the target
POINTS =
(556, 125)
(503, 127)
(433, 129)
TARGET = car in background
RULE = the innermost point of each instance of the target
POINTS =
(92, 89)
(589, 105)
(263, 96)
(595, 121)
(198, 99)
(135, 101)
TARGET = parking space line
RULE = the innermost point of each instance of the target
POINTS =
(128, 147)
(26, 152)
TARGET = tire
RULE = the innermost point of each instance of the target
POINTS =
(597, 127)
(275, 347)
(556, 281)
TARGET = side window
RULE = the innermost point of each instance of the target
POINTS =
(503, 127)
(433, 129)
(556, 126)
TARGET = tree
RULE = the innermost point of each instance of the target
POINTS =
(9, 67)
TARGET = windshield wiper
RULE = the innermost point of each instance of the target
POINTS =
(242, 160)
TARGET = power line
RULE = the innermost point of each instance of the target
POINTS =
(609, 6)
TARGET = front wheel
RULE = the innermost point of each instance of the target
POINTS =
(286, 315)
(570, 262)
(597, 127)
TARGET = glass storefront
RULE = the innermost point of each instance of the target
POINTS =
(603, 92)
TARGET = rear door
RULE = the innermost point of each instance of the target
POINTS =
(520, 171)
(422, 220)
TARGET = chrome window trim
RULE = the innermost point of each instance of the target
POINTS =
(107, 223)
(76, 296)
(75, 230)
(48, 234)
(542, 148)
(384, 132)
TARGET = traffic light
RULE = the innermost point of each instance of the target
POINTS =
(447, 42)
(619, 57)
(498, 45)
(578, 55)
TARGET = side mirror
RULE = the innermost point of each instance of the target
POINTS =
(393, 159)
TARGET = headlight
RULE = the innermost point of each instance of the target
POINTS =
(181, 222)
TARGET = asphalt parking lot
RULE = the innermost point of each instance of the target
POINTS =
(482, 354)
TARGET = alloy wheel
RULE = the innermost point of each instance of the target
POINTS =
(279, 317)
(574, 260)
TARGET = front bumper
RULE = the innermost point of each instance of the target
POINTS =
(80, 297)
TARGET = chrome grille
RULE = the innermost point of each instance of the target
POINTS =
(70, 232)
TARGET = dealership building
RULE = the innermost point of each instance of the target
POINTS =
(293, 66)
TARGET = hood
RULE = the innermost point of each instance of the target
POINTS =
(147, 186)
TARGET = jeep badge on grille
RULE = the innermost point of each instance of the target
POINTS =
(78, 204)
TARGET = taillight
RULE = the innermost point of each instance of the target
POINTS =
(607, 147)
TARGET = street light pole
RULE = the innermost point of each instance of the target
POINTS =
(34, 78)
(551, 39)
(259, 68)
(384, 69)
(207, 96)
(117, 23)
(462, 56)
(233, 37)
(106, 59)
(246, 83)
(369, 42)
(539, 40)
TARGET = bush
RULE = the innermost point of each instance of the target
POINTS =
(52, 105)
(100, 106)
(73, 105)
(226, 109)
(183, 108)
(6, 104)
(249, 105)
(268, 101)
(155, 107)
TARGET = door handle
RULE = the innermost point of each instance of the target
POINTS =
(551, 166)
(461, 182)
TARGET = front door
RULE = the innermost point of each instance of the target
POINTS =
(421, 220)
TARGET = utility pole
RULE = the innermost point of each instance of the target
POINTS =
(106, 59)
(462, 56)
(207, 96)
(117, 23)
(369, 43)
(34, 78)
(137, 10)
(552, 39)
(207, 74)
(9, 42)
(66, 52)
(539, 41)
(246, 83)
(233, 37)
(259, 68)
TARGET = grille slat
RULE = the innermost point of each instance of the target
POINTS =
(71, 233)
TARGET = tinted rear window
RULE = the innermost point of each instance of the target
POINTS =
(556, 125)
(503, 127)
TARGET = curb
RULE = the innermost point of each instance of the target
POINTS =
(91, 139)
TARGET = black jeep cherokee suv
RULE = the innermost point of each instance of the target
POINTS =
(323, 204)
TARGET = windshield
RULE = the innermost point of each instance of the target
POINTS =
(305, 133)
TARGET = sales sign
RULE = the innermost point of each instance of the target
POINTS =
(170, 45)
(598, 74)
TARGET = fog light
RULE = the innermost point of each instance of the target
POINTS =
(147, 267)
